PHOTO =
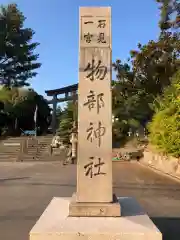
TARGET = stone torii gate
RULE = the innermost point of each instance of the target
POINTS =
(70, 94)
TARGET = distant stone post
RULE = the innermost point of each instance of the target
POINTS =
(53, 123)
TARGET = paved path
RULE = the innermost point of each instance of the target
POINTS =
(27, 188)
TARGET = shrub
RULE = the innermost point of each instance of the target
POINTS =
(165, 126)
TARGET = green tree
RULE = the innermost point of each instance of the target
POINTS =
(66, 121)
(131, 105)
(170, 14)
(20, 104)
(18, 61)
(155, 63)
(58, 116)
(146, 75)
(3, 117)
(164, 128)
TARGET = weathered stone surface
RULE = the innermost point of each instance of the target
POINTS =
(94, 167)
(111, 209)
(99, 148)
(55, 224)
(92, 22)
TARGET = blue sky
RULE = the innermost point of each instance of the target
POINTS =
(56, 24)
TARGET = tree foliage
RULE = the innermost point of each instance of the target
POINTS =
(155, 63)
(165, 126)
(19, 107)
(147, 73)
(68, 115)
(18, 61)
(170, 14)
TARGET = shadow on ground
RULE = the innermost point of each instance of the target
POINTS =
(169, 227)
(27, 189)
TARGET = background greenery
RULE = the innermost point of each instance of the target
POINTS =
(145, 91)
(18, 65)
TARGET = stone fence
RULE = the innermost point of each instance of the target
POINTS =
(166, 164)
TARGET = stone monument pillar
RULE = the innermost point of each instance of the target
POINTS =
(94, 166)
(93, 212)
(94, 169)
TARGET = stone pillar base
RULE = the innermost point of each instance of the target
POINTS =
(55, 224)
(78, 209)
